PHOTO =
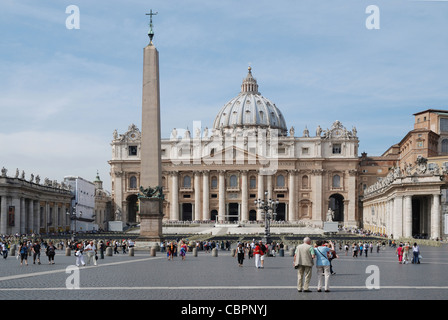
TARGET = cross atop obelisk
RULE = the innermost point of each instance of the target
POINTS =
(151, 32)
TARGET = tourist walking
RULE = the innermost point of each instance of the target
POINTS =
(303, 262)
(79, 255)
(323, 264)
(171, 249)
(90, 251)
(415, 253)
(23, 251)
(399, 252)
(36, 252)
(355, 250)
(405, 253)
(4, 248)
(240, 253)
(183, 250)
(51, 252)
(258, 253)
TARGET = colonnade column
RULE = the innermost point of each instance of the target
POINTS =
(22, 224)
(407, 217)
(244, 197)
(435, 216)
(3, 215)
(398, 217)
(205, 196)
(31, 214)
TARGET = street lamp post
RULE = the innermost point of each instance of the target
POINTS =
(73, 216)
(269, 207)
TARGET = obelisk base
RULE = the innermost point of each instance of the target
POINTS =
(151, 215)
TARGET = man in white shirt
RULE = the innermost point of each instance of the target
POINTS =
(90, 251)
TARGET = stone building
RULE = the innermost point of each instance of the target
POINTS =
(410, 201)
(103, 203)
(216, 174)
(32, 206)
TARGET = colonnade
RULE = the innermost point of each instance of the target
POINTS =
(393, 215)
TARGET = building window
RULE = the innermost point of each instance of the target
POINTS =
(214, 183)
(280, 181)
(253, 182)
(445, 146)
(187, 182)
(305, 151)
(132, 150)
(336, 181)
(233, 181)
(133, 182)
(336, 148)
(305, 182)
(443, 124)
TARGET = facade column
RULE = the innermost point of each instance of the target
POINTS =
(292, 206)
(244, 197)
(317, 197)
(260, 186)
(269, 187)
(435, 216)
(222, 196)
(205, 195)
(118, 197)
(407, 217)
(351, 214)
(3, 215)
(197, 196)
(174, 206)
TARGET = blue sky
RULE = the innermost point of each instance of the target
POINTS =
(64, 91)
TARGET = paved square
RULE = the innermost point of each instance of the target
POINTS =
(208, 278)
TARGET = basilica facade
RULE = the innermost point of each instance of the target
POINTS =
(217, 173)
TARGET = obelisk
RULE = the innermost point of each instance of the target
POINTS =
(151, 203)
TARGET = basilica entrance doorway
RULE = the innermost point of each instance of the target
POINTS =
(281, 212)
(187, 212)
(233, 212)
(132, 208)
(336, 203)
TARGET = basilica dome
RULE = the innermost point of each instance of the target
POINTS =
(250, 110)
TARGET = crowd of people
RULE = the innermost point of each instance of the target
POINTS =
(27, 247)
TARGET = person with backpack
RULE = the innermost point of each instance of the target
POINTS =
(51, 252)
(23, 251)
